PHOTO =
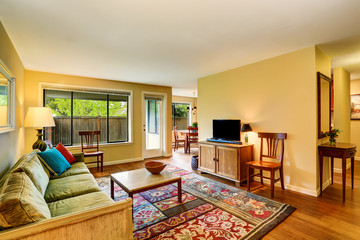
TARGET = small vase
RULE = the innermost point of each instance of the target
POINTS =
(332, 141)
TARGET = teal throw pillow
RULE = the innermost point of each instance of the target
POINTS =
(55, 160)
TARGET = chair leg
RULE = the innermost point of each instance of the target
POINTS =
(97, 162)
(272, 183)
(261, 177)
(282, 179)
(248, 178)
(102, 163)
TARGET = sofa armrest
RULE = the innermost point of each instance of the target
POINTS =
(113, 221)
(79, 156)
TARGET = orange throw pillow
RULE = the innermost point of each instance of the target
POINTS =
(67, 155)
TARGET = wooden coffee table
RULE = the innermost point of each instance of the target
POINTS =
(141, 180)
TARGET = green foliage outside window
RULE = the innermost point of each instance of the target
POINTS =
(181, 110)
(62, 107)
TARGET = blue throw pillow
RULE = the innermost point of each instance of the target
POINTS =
(55, 160)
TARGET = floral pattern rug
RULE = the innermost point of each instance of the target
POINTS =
(209, 210)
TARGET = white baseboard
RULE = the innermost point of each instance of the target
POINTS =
(339, 170)
(298, 189)
(90, 165)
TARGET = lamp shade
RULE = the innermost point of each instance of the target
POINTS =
(3, 116)
(39, 117)
(246, 128)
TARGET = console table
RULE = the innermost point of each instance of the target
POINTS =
(340, 150)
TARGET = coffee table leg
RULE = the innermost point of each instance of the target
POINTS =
(131, 195)
(112, 188)
(179, 191)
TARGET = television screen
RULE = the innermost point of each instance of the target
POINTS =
(226, 129)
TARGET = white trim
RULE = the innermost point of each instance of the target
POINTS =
(109, 163)
(11, 117)
(101, 145)
(69, 87)
(339, 170)
(294, 188)
(163, 119)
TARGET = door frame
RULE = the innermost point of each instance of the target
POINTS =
(163, 120)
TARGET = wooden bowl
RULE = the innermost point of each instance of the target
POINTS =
(155, 167)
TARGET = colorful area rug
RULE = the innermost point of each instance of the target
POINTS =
(210, 210)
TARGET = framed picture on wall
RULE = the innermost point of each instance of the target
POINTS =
(355, 107)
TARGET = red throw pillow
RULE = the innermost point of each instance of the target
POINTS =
(67, 155)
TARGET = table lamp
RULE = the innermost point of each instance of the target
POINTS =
(246, 128)
(39, 117)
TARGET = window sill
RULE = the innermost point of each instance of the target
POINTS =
(102, 145)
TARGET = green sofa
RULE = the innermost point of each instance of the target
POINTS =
(31, 195)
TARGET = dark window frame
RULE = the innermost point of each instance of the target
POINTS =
(107, 115)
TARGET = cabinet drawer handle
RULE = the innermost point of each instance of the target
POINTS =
(214, 159)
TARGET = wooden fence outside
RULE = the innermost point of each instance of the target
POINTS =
(62, 133)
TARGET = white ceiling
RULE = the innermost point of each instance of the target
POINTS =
(168, 42)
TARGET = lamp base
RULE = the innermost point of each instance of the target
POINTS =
(39, 144)
(246, 139)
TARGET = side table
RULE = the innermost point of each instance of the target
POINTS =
(340, 150)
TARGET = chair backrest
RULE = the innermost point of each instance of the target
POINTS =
(193, 136)
(87, 139)
(192, 129)
(176, 134)
(272, 140)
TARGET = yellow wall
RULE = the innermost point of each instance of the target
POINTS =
(323, 65)
(118, 152)
(191, 100)
(355, 124)
(274, 95)
(12, 143)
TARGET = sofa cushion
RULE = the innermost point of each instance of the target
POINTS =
(21, 202)
(67, 155)
(35, 171)
(76, 168)
(24, 158)
(70, 186)
(79, 203)
(55, 160)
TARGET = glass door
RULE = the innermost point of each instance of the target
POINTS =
(152, 127)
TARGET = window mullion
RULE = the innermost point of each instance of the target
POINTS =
(107, 119)
(71, 119)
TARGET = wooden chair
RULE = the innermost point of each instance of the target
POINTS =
(272, 140)
(88, 147)
(192, 137)
(178, 141)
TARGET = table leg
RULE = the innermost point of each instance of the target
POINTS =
(131, 195)
(344, 175)
(321, 170)
(185, 145)
(352, 172)
(179, 191)
(112, 188)
(332, 170)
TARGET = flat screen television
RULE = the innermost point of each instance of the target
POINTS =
(226, 129)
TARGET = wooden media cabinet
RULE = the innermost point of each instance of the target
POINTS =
(225, 160)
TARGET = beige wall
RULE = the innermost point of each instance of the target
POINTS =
(117, 152)
(323, 65)
(355, 124)
(191, 100)
(12, 143)
(274, 95)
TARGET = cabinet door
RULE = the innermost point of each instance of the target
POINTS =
(206, 157)
(227, 162)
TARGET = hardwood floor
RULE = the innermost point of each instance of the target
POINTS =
(325, 217)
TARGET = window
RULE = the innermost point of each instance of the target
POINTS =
(76, 111)
(153, 115)
(180, 115)
(7, 99)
